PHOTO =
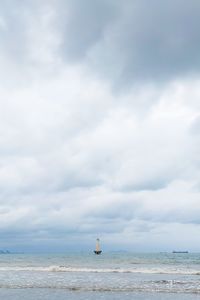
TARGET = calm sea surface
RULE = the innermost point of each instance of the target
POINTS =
(108, 276)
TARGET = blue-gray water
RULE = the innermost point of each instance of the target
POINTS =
(108, 276)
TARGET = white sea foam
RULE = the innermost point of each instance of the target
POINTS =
(56, 268)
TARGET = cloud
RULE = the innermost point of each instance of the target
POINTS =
(83, 24)
(123, 43)
(133, 42)
(82, 155)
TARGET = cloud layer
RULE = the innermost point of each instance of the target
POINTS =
(99, 124)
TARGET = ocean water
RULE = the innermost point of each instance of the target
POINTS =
(109, 276)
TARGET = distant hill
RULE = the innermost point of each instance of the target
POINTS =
(5, 252)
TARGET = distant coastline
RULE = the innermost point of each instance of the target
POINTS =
(5, 252)
(9, 252)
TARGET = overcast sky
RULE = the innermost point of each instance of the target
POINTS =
(100, 124)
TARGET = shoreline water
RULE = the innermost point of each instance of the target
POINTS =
(86, 276)
(53, 294)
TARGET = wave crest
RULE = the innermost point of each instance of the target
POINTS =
(57, 268)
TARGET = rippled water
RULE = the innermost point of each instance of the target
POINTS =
(110, 275)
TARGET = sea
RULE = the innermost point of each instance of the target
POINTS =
(113, 275)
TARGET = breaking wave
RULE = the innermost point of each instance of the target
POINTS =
(102, 270)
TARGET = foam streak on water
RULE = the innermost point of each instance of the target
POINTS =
(99, 270)
(112, 272)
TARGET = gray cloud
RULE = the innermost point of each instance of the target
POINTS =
(80, 159)
(124, 43)
(136, 40)
(83, 25)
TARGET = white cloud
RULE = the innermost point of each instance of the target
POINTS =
(79, 157)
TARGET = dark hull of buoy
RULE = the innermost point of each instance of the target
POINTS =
(97, 252)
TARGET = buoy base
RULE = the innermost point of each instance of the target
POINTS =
(97, 252)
